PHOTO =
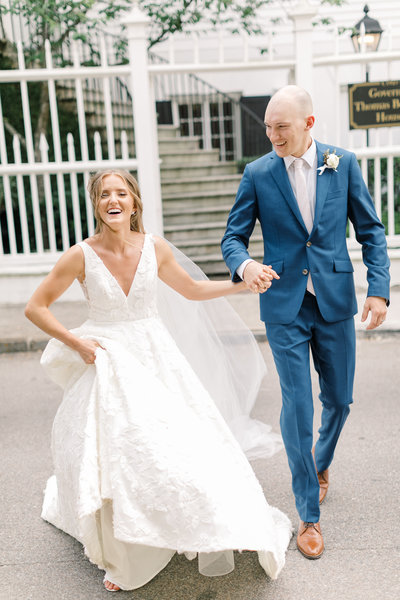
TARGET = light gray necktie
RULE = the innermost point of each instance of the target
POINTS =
(302, 197)
(304, 203)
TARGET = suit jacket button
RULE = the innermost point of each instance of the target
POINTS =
(305, 271)
(309, 244)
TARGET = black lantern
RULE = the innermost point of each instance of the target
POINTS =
(367, 33)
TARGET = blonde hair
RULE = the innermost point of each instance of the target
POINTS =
(95, 187)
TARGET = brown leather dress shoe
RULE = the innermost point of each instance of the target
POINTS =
(309, 540)
(323, 478)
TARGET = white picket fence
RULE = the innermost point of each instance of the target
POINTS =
(45, 201)
(55, 198)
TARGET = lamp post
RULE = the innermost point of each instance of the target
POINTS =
(366, 36)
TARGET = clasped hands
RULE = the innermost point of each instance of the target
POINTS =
(258, 277)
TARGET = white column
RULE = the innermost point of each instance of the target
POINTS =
(302, 15)
(145, 120)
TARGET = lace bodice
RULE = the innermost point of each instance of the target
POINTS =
(104, 295)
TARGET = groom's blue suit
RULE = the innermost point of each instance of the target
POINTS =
(296, 321)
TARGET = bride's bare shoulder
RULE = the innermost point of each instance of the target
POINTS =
(93, 240)
(74, 253)
(71, 262)
(161, 246)
(158, 240)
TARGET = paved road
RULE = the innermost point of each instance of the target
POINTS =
(360, 517)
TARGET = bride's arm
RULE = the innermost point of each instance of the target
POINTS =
(176, 277)
(69, 267)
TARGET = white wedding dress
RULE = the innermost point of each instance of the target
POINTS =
(145, 465)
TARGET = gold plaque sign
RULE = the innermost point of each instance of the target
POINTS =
(374, 104)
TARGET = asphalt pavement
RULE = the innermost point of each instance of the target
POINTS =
(360, 516)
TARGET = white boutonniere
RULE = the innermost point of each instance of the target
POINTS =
(331, 161)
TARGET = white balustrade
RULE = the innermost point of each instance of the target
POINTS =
(52, 229)
(21, 198)
(30, 151)
(44, 154)
(74, 190)
(107, 104)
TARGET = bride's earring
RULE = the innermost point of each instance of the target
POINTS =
(133, 213)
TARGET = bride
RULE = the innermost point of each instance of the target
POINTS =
(145, 465)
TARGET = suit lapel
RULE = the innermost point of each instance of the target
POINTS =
(279, 173)
(323, 182)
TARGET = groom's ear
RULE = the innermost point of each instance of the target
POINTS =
(310, 120)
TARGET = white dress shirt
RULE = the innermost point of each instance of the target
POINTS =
(310, 171)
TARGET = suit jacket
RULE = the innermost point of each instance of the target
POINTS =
(265, 194)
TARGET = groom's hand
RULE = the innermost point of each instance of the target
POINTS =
(378, 309)
(258, 277)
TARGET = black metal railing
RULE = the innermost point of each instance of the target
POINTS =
(231, 123)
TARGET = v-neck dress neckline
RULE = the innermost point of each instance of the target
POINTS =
(113, 276)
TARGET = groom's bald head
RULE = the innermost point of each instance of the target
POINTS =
(298, 99)
(288, 121)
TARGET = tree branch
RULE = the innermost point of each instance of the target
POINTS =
(3, 32)
(11, 129)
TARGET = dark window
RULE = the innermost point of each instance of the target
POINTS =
(254, 139)
(183, 111)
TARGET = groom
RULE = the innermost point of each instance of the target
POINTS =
(303, 193)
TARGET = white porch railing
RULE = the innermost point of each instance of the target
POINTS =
(378, 167)
(54, 223)
(44, 199)
(384, 192)
(45, 203)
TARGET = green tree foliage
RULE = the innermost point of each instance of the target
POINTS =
(58, 20)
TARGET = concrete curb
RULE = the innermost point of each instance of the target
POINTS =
(17, 334)
(8, 346)
(22, 345)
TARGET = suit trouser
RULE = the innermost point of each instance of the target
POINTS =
(333, 350)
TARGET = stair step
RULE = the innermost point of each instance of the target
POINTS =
(182, 144)
(192, 157)
(198, 226)
(201, 227)
(167, 132)
(207, 199)
(209, 210)
(211, 184)
(212, 246)
(173, 151)
(191, 215)
(205, 170)
(255, 238)
(199, 199)
(198, 231)
(228, 190)
(216, 257)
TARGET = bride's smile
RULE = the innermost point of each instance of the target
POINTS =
(116, 203)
